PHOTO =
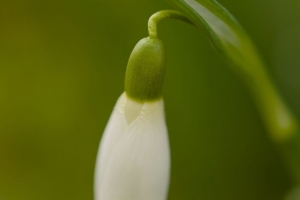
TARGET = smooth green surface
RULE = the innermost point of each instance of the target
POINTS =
(62, 67)
(163, 15)
(235, 47)
(145, 71)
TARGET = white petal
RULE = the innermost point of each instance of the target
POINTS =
(134, 159)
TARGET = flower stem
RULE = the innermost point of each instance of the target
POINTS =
(283, 126)
(161, 15)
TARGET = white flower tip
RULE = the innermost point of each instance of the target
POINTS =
(134, 160)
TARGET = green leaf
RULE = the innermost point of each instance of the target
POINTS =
(236, 49)
(224, 33)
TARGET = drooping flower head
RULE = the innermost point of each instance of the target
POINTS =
(133, 161)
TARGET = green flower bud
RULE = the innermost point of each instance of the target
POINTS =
(146, 70)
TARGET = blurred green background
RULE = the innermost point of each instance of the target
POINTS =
(62, 66)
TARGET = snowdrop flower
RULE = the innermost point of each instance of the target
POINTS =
(133, 161)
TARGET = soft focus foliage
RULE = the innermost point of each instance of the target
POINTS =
(62, 66)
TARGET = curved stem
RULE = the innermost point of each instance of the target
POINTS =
(161, 15)
(282, 125)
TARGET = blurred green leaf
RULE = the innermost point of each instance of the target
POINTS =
(224, 32)
(236, 48)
